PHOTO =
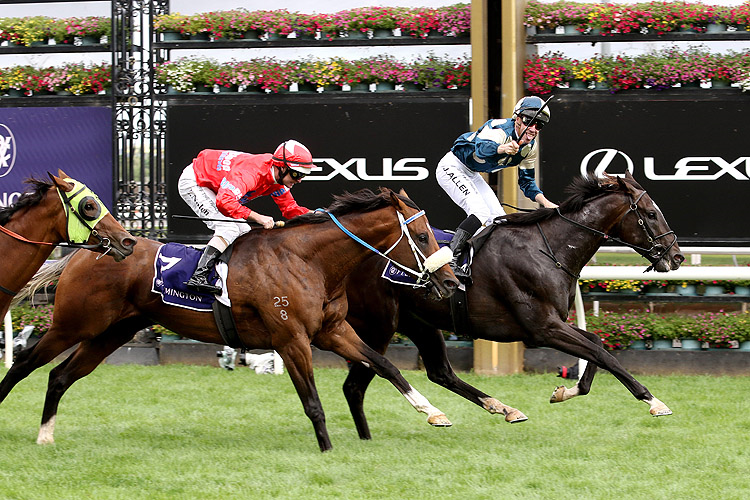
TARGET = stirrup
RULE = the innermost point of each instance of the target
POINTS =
(203, 286)
(463, 273)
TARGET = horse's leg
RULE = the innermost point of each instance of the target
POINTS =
(87, 356)
(567, 339)
(341, 339)
(583, 386)
(31, 358)
(297, 358)
(434, 354)
(355, 386)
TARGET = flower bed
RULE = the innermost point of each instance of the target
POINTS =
(619, 330)
(75, 78)
(38, 316)
(453, 20)
(272, 75)
(609, 19)
(39, 29)
(656, 286)
(657, 70)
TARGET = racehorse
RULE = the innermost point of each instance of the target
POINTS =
(524, 285)
(44, 217)
(287, 288)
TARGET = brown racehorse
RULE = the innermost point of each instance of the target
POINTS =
(39, 220)
(287, 288)
(524, 283)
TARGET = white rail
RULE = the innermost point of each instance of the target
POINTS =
(688, 250)
(694, 252)
(8, 340)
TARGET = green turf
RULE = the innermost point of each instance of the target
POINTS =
(180, 432)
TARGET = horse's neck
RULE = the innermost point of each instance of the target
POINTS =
(379, 229)
(575, 246)
(21, 259)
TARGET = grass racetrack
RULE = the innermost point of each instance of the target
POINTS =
(196, 432)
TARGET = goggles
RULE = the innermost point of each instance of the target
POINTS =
(527, 120)
(295, 174)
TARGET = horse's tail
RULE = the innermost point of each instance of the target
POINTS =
(43, 278)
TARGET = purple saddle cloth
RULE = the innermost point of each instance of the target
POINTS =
(173, 266)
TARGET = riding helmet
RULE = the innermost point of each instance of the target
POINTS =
(294, 155)
(528, 106)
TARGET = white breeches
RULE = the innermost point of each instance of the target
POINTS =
(468, 189)
(203, 202)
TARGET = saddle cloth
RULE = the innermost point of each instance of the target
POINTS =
(394, 274)
(173, 266)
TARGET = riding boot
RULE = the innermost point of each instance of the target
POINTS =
(199, 280)
(457, 245)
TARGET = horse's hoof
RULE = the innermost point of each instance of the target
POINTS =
(660, 411)
(514, 416)
(439, 420)
(558, 394)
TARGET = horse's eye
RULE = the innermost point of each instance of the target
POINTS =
(652, 214)
(423, 238)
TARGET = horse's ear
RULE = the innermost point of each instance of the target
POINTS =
(60, 183)
(402, 192)
(62, 174)
(396, 201)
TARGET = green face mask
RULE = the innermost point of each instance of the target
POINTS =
(81, 224)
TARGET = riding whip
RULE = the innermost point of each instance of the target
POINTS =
(544, 104)
(278, 223)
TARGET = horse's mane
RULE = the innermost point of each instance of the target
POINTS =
(360, 201)
(582, 190)
(27, 199)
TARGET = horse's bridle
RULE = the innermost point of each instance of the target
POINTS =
(78, 228)
(427, 265)
(653, 254)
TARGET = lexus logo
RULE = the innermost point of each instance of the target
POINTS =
(612, 161)
(688, 168)
(7, 150)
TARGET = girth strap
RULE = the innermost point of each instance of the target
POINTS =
(223, 314)
(460, 313)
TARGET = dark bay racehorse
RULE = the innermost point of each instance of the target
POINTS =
(524, 285)
(287, 288)
(45, 216)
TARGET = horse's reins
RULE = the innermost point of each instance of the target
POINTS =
(652, 254)
(426, 266)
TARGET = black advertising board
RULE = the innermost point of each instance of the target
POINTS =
(356, 143)
(689, 150)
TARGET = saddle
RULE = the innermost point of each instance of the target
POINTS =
(175, 263)
(473, 245)
(458, 301)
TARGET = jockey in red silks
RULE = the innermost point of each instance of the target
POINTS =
(219, 184)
